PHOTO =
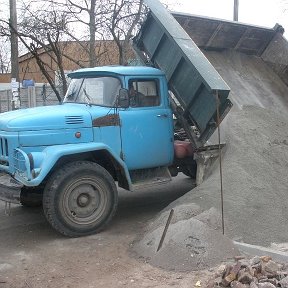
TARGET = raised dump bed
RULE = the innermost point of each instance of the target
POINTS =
(191, 77)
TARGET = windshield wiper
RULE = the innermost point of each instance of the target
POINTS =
(88, 98)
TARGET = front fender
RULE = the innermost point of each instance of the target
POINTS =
(43, 162)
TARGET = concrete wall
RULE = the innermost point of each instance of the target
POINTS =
(44, 96)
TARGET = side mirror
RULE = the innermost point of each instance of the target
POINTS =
(123, 98)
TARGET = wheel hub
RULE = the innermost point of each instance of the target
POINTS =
(83, 200)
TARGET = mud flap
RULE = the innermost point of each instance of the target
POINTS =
(204, 158)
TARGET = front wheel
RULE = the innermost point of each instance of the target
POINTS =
(80, 199)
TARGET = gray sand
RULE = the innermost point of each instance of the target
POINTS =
(251, 80)
(255, 168)
(194, 240)
(189, 245)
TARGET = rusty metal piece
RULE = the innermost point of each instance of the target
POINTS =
(165, 229)
(107, 120)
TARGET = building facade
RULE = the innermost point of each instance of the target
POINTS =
(74, 55)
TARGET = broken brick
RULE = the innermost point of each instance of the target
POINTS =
(232, 275)
(245, 277)
(237, 284)
(284, 282)
(266, 285)
(271, 268)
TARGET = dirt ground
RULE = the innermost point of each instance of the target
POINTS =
(33, 255)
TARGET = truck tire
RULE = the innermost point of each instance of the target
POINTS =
(80, 198)
(30, 197)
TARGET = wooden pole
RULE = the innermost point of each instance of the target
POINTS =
(220, 161)
(14, 41)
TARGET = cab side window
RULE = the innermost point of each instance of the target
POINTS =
(144, 93)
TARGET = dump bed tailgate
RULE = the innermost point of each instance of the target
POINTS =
(191, 77)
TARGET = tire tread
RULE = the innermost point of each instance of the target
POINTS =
(51, 189)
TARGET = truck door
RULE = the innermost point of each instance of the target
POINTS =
(146, 126)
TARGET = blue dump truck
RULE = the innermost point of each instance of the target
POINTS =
(116, 125)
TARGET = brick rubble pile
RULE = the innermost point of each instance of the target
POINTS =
(258, 272)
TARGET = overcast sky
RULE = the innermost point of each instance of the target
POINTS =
(258, 12)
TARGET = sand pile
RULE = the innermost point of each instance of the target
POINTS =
(255, 178)
(255, 168)
(189, 245)
(193, 242)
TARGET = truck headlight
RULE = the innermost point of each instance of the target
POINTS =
(27, 165)
(22, 164)
(35, 161)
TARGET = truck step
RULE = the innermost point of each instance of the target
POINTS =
(145, 177)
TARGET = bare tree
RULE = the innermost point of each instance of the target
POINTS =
(5, 61)
(125, 16)
(45, 26)
(116, 19)
(39, 31)
(80, 11)
(43, 31)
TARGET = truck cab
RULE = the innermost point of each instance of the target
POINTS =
(139, 129)
(115, 124)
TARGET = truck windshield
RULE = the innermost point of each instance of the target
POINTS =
(101, 91)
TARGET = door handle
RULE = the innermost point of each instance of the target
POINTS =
(162, 115)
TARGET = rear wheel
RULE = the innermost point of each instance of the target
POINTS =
(80, 199)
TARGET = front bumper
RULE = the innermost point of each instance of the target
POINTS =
(10, 189)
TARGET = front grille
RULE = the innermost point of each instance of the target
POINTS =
(74, 120)
(4, 147)
(20, 163)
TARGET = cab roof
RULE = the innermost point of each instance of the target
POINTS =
(116, 70)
